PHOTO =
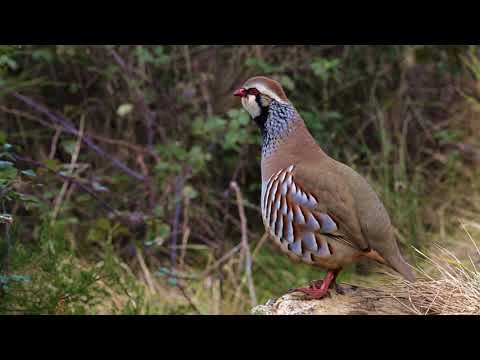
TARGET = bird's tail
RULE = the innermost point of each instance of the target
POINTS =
(401, 266)
(396, 262)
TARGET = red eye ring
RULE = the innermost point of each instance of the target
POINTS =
(253, 92)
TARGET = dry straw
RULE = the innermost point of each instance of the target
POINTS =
(449, 286)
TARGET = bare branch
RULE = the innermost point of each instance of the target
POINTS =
(68, 126)
(246, 247)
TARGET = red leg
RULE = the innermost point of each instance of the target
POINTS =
(319, 289)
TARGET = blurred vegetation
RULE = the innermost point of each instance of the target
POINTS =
(116, 164)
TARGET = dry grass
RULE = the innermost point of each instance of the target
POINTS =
(446, 285)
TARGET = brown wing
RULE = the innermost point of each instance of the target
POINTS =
(298, 218)
(334, 199)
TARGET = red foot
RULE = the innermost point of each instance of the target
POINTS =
(319, 289)
(314, 294)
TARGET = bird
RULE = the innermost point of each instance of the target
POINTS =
(316, 209)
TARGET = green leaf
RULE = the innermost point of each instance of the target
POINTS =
(161, 58)
(29, 173)
(190, 192)
(238, 118)
(179, 152)
(159, 211)
(215, 124)
(197, 127)
(159, 50)
(15, 278)
(233, 113)
(95, 235)
(446, 136)
(5, 165)
(8, 61)
(144, 55)
(262, 65)
(124, 109)
(324, 68)
(52, 164)
(231, 139)
(164, 230)
(244, 119)
(43, 55)
(287, 82)
(162, 167)
(69, 146)
(99, 187)
(6, 219)
(7, 171)
(103, 224)
(73, 88)
(28, 198)
(334, 115)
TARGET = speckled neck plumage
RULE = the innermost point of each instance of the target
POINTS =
(275, 125)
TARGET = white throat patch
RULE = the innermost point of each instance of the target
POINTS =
(249, 102)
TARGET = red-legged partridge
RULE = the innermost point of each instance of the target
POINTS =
(316, 209)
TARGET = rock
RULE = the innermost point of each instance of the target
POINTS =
(356, 301)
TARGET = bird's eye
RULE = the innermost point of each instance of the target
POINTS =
(253, 92)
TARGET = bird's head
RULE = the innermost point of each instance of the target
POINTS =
(258, 93)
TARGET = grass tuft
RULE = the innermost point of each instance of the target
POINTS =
(446, 286)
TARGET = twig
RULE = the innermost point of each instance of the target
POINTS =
(67, 125)
(246, 248)
(220, 261)
(37, 164)
(5, 261)
(53, 147)
(124, 144)
(185, 295)
(100, 138)
(76, 153)
(262, 242)
(146, 272)
(149, 116)
(176, 219)
(185, 230)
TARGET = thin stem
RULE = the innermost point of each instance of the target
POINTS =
(246, 247)
(60, 120)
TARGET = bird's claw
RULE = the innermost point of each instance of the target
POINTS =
(271, 302)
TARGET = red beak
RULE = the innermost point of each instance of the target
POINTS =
(240, 93)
